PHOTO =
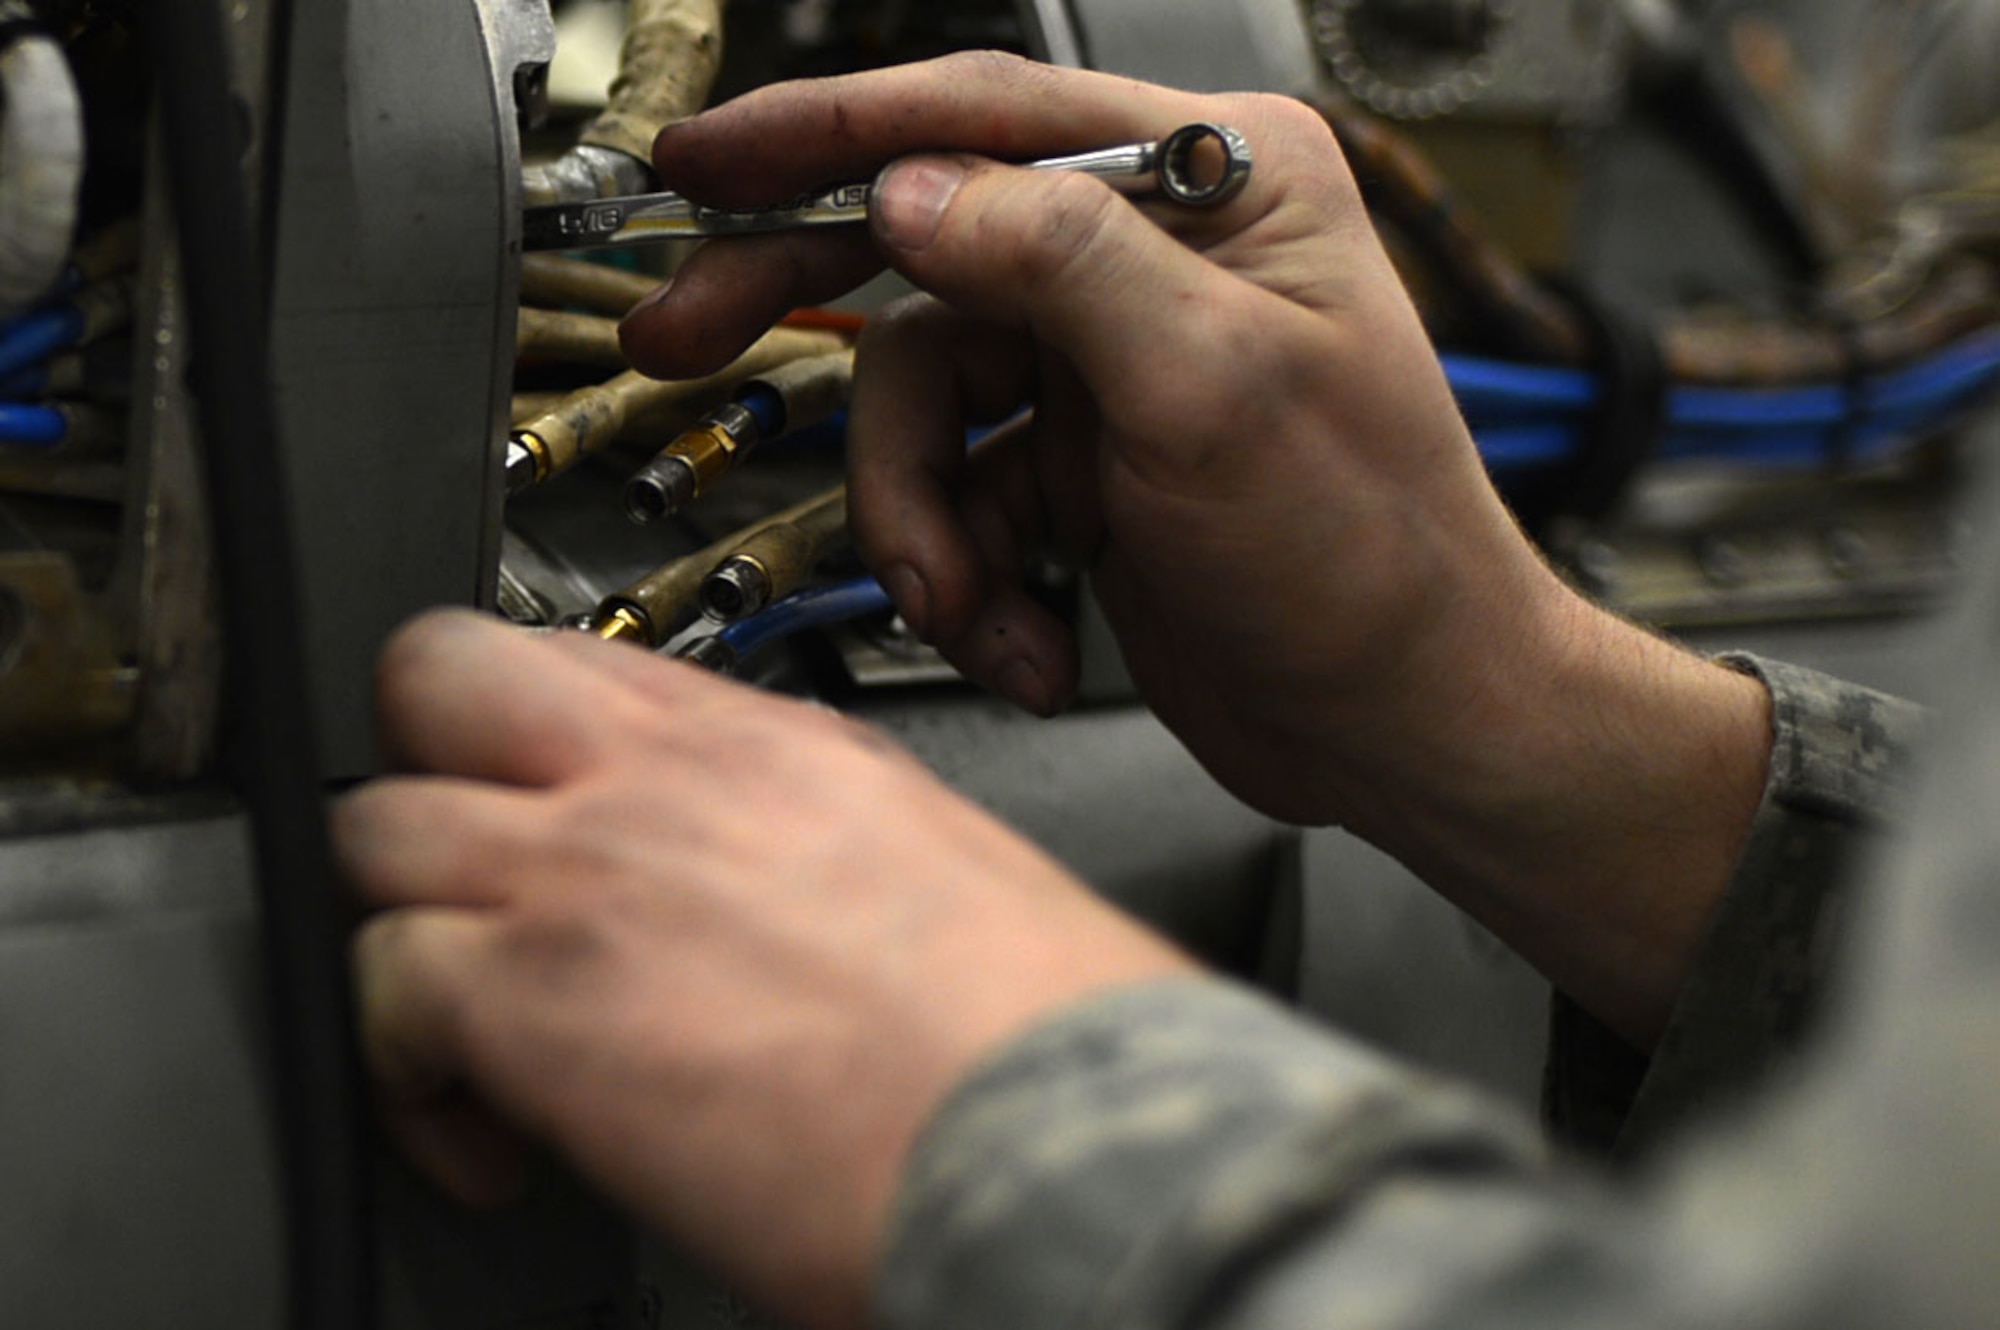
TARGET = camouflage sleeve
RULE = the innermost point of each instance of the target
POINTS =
(1187, 1156)
(1124, 1165)
(1839, 760)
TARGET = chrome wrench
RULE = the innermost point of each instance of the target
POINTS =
(1198, 165)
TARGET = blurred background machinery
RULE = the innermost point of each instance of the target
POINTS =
(1714, 283)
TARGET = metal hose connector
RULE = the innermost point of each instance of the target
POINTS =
(774, 562)
(652, 610)
(789, 397)
(672, 51)
(592, 419)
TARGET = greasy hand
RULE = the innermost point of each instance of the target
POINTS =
(726, 951)
(1238, 422)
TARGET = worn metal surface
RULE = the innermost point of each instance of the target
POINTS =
(394, 330)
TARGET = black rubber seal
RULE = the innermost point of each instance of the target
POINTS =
(272, 751)
(1853, 394)
(1622, 434)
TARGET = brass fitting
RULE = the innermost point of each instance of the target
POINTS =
(710, 449)
(624, 624)
(809, 389)
(528, 462)
(592, 419)
(663, 602)
(689, 465)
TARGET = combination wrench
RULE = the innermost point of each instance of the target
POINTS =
(1199, 165)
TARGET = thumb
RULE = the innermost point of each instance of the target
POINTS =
(1054, 252)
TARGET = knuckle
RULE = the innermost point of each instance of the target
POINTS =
(1287, 115)
(910, 321)
(990, 69)
(553, 946)
(411, 657)
(1275, 118)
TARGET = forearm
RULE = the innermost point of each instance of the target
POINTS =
(1587, 798)
(1840, 758)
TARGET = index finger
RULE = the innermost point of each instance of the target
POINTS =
(780, 141)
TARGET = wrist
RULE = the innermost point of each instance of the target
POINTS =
(1584, 788)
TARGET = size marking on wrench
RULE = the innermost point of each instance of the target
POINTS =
(1199, 166)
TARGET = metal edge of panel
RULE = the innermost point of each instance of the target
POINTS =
(391, 334)
(520, 34)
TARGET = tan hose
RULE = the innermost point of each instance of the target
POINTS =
(592, 419)
(809, 390)
(571, 339)
(668, 599)
(812, 389)
(775, 560)
(527, 406)
(672, 51)
(553, 281)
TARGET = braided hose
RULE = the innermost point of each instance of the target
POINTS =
(41, 161)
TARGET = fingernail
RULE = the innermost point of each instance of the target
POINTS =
(911, 198)
(653, 297)
(1021, 683)
(913, 602)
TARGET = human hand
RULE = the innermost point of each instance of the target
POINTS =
(1239, 427)
(727, 951)
(1238, 421)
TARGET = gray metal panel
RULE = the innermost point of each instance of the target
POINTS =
(1114, 796)
(1390, 962)
(393, 337)
(1205, 45)
(137, 1155)
(1052, 34)
(138, 1146)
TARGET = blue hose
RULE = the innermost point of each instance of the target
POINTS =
(29, 339)
(766, 407)
(815, 607)
(1533, 415)
(1497, 385)
(32, 426)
